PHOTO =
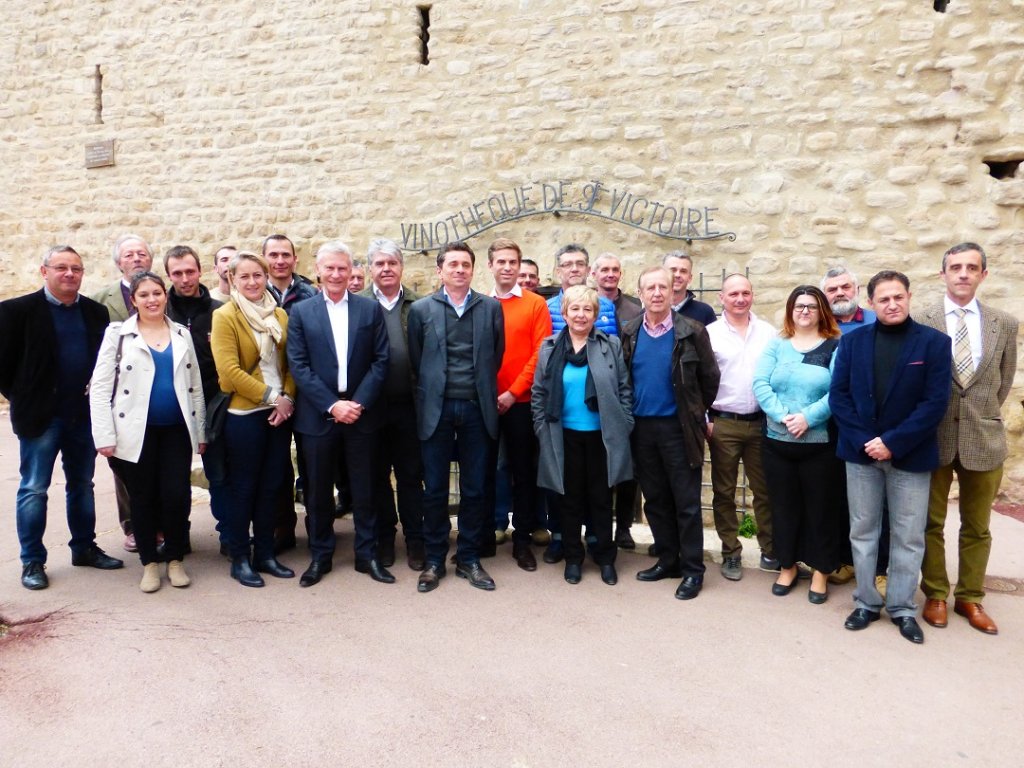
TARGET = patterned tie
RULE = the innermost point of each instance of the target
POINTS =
(963, 360)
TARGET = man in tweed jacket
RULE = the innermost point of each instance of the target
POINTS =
(972, 442)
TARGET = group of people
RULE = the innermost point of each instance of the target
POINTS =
(560, 410)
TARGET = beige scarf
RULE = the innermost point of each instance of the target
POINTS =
(262, 319)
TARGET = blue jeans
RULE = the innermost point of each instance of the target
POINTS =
(38, 455)
(462, 420)
(868, 486)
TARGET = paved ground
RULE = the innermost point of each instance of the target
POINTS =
(537, 673)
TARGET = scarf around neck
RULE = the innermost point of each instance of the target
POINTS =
(262, 318)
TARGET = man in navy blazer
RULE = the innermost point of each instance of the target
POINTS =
(338, 356)
(889, 392)
(456, 342)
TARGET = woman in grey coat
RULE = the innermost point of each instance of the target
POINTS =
(582, 413)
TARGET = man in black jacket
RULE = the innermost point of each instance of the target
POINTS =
(189, 303)
(48, 345)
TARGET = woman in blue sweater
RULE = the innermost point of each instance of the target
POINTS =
(791, 383)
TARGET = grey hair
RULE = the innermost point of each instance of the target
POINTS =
(837, 272)
(607, 255)
(964, 248)
(385, 246)
(333, 246)
(124, 239)
(676, 255)
(54, 250)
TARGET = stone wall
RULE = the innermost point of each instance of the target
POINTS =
(819, 131)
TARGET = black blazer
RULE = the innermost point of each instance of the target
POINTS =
(28, 358)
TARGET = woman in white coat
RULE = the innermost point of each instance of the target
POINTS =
(148, 417)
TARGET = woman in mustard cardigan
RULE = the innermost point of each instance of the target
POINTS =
(248, 341)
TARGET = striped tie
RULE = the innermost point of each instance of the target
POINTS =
(963, 360)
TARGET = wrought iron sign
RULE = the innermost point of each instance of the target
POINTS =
(559, 198)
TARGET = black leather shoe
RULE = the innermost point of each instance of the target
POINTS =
(523, 555)
(624, 539)
(554, 553)
(33, 576)
(658, 571)
(689, 588)
(94, 557)
(376, 570)
(475, 575)
(315, 572)
(386, 552)
(909, 628)
(652, 550)
(430, 578)
(274, 568)
(242, 570)
(609, 576)
(573, 573)
(860, 619)
(416, 555)
(781, 590)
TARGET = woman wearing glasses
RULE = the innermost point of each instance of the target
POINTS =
(791, 383)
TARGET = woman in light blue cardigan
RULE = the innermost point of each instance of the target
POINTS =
(791, 383)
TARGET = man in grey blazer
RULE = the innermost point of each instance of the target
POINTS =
(338, 355)
(972, 442)
(456, 342)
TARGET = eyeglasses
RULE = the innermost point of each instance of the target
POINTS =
(802, 308)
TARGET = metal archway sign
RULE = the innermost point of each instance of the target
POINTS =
(560, 198)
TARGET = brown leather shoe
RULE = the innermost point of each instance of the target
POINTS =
(524, 557)
(977, 617)
(935, 613)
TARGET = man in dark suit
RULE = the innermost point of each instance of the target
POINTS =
(456, 342)
(338, 356)
(48, 345)
(972, 441)
(889, 392)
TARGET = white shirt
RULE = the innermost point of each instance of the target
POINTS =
(737, 357)
(337, 313)
(973, 321)
(516, 291)
(385, 302)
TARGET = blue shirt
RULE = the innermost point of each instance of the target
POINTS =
(575, 414)
(605, 320)
(164, 410)
(787, 381)
(652, 375)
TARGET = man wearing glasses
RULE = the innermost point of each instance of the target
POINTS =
(47, 353)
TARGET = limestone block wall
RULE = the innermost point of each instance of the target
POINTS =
(816, 131)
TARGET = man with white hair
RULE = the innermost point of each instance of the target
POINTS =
(338, 355)
(132, 255)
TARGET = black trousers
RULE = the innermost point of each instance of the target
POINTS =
(587, 497)
(160, 490)
(398, 449)
(322, 453)
(808, 505)
(521, 451)
(671, 489)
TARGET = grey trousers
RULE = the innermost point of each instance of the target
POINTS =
(867, 486)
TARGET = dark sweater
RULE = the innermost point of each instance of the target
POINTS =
(196, 314)
(889, 341)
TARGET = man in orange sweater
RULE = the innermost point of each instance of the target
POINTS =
(527, 324)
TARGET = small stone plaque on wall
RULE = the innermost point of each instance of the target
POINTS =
(99, 154)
